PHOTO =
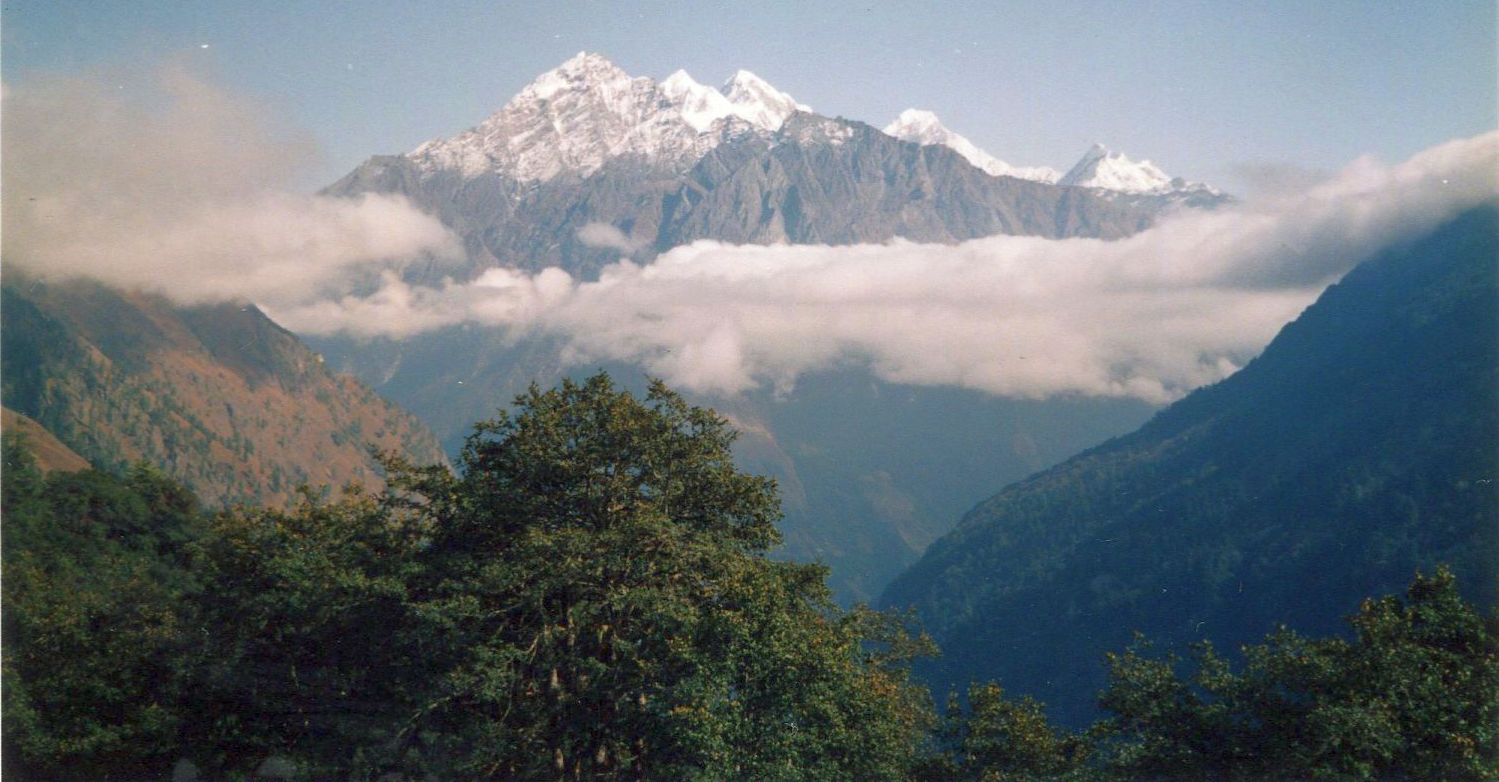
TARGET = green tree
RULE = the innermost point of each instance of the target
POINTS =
(1413, 696)
(600, 604)
(1000, 739)
(97, 620)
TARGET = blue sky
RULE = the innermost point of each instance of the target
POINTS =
(1205, 89)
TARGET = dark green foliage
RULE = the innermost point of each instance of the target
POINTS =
(1414, 696)
(590, 599)
(98, 628)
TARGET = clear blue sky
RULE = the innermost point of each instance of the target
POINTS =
(1202, 88)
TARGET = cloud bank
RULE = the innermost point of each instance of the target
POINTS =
(183, 192)
(181, 189)
(1151, 316)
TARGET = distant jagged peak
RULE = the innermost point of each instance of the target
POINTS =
(919, 126)
(700, 105)
(1103, 168)
(758, 102)
(586, 111)
(569, 120)
(744, 95)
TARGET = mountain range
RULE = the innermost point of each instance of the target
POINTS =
(1358, 448)
(668, 163)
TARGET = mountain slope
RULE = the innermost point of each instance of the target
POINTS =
(219, 397)
(1357, 448)
(49, 452)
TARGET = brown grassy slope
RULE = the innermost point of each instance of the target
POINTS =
(49, 451)
(219, 397)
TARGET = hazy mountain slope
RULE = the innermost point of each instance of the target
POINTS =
(1357, 448)
(873, 472)
(219, 397)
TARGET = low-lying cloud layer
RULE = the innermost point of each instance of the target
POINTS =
(1151, 316)
(186, 198)
(182, 191)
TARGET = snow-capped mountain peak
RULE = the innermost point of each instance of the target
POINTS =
(1103, 168)
(758, 102)
(587, 111)
(922, 127)
(571, 119)
(582, 68)
(745, 96)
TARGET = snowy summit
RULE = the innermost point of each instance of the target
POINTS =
(1102, 168)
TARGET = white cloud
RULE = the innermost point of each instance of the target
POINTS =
(181, 191)
(606, 236)
(1150, 316)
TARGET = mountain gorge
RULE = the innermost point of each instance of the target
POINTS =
(1356, 449)
(588, 165)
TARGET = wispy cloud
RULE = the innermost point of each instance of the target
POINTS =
(1151, 316)
(181, 190)
(606, 236)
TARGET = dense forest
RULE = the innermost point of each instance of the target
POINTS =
(588, 596)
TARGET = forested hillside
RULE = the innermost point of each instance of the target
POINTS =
(218, 397)
(1358, 448)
